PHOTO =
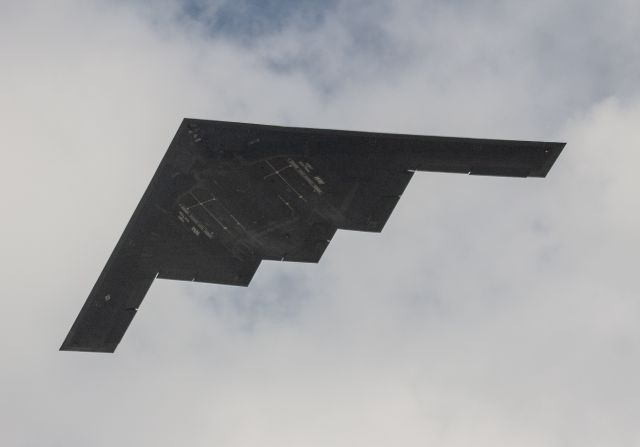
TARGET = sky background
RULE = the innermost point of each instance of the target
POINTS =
(489, 312)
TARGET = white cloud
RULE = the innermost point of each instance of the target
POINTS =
(490, 311)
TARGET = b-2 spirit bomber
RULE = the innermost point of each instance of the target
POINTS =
(228, 195)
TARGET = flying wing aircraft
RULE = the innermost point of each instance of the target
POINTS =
(228, 195)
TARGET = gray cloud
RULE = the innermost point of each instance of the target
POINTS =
(489, 311)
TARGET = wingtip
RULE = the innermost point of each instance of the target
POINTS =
(553, 152)
(105, 349)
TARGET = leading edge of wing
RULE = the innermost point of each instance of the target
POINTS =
(475, 156)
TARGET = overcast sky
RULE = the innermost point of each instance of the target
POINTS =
(489, 311)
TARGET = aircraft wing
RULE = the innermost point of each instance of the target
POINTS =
(228, 195)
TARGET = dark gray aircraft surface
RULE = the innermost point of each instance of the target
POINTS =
(228, 195)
